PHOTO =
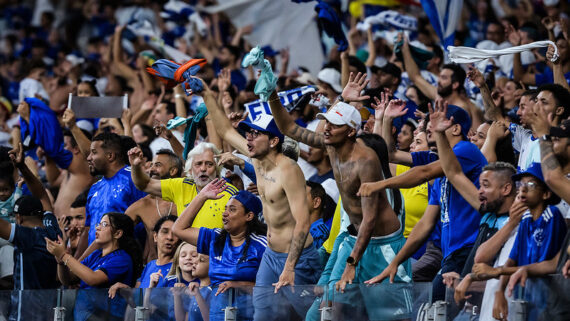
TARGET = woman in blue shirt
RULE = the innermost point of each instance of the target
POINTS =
(235, 251)
(118, 259)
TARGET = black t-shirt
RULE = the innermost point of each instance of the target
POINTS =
(34, 266)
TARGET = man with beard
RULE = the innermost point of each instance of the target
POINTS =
(450, 85)
(115, 191)
(374, 236)
(150, 208)
(493, 199)
(202, 169)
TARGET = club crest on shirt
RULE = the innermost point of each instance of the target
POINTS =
(538, 236)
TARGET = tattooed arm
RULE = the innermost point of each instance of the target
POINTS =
(294, 186)
(552, 170)
(288, 126)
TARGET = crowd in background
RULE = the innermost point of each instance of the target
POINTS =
(471, 160)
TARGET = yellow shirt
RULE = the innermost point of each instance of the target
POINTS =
(415, 202)
(182, 191)
(335, 228)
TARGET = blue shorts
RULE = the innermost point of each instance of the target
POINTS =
(395, 302)
(289, 300)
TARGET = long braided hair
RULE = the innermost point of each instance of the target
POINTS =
(252, 227)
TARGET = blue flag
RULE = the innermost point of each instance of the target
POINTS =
(443, 15)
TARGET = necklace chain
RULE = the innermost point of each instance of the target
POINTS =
(158, 209)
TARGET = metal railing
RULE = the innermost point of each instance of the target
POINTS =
(541, 299)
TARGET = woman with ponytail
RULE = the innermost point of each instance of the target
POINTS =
(235, 251)
(118, 259)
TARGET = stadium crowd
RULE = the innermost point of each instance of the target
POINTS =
(395, 166)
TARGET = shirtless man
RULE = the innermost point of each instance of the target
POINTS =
(290, 257)
(150, 208)
(353, 164)
(71, 181)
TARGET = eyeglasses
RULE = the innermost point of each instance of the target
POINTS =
(252, 134)
(102, 225)
(528, 185)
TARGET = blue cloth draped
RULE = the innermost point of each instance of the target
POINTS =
(43, 130)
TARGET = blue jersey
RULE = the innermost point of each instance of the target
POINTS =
(194, 312)
(459, 220)
(34, 267)
(117, 265)
(230, 266)
(547, 77)
(539, 240)
(320, 232)
(151, 268)
(423, 158)
(113, 194)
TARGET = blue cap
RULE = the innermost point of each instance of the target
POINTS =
(249, 201)
(461, 117)
(268, 51)
(263, 123)
(535, 171)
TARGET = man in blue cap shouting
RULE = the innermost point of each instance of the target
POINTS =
(290, 258)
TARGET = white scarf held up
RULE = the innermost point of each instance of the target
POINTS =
(468, 55)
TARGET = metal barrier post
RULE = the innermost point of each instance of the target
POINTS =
(519, 310)
(141, 312)
(327, 310)
(230, 312)
(440, 311)
(59, 310)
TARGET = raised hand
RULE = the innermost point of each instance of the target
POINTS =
(540, 122)
(550, 55)
(356, 83)
(160, 130)
(155, 277)
(498, 130)
(237, 117)
(476, 76)
(224, 80)
(549, 23)
(381, 104)
(17, 155)
(69, 118)
(438, 118)
(136, 156)
(56, 248)
(213, 190)
(395, 108)
(229, 160)
(513, 35)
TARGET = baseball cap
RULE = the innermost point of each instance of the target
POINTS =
(461, 117)
(28, 205)
(342, 114)
(535, 171)
(263, 123)
(331, 77)
(249, 201)
(562, 131)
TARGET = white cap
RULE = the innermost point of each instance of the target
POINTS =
(331, 77)
(342, 114)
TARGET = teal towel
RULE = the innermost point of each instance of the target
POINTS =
(267, 81)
